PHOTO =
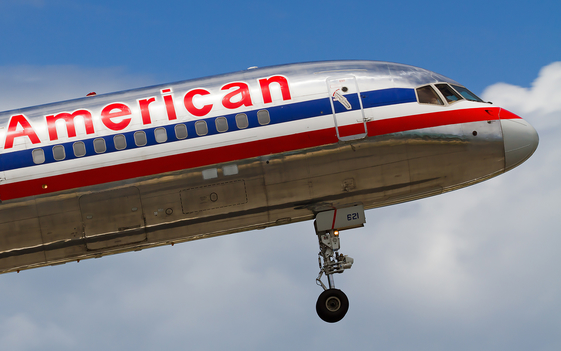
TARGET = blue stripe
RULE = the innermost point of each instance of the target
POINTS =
(278, 114)
(386, 97)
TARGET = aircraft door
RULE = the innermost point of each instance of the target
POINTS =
(112, 218)
(2, 181)
(346, 105)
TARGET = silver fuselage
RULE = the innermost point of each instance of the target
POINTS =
(311, 151)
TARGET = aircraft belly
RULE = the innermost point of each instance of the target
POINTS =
(112, 218)
(60, 227)
(196, 201)
(21, 233)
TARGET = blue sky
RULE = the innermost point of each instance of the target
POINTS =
(475, 269)
(478, 43)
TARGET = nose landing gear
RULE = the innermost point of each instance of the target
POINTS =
(332, 304)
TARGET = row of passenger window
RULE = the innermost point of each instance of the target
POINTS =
(160, 134)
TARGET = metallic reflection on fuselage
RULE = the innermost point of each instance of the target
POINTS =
(380, 169)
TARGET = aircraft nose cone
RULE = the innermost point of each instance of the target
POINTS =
(520, 141)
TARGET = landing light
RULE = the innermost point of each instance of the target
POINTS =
(336, 232)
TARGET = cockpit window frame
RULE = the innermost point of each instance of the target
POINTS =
(441, 95)
(452, 90)
(456, 86)
(434, 90)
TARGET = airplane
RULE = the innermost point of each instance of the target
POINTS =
(323, 141)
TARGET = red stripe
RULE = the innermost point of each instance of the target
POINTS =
(236, 152)
(435, 119)
(334, 217)
(505, 114)
(351, 129)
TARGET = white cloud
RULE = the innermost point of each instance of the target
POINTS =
(540, 104)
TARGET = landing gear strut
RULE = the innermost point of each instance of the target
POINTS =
(332, 304)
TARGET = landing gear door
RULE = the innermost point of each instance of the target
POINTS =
(347, 108)
(2, 181)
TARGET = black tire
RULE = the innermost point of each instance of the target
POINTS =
(332, 305)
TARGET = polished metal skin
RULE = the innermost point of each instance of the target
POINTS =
(396, 152)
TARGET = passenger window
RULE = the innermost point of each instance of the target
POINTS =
(79, 149)
(241, 121)
(221, 124)
(140, 138)
(427, 95)
(38, 156)
(449, 94)
(468, 95)
(58, 152)
(201, 128)
(161, 135)
(120, 142)
(99, 145)
(263, 117)
(181, 131)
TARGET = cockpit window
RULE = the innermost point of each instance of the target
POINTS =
(449, 94)
(468, 95)
(427, 95)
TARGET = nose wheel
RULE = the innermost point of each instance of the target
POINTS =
(332, 304)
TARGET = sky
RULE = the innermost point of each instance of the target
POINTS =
(474, 269)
